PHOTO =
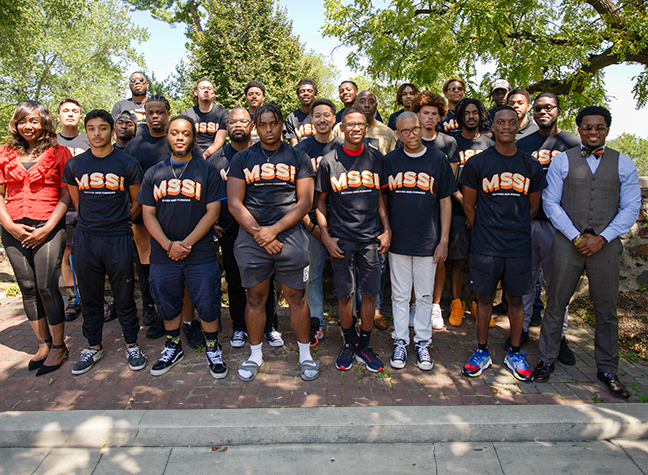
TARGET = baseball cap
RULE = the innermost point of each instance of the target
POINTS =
(500, 84)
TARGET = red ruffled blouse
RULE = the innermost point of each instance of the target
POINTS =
(33, 193)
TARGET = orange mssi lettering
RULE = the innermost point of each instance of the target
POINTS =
(545, 156)
(82, 183)
(339, 183)
(202, 127)
(112, 181)
(267, 171)
(223, 174)
(409, 179)
(96, 180)
(160, 191)
(395, 181)
(252, 176)
(368, 178)
(282, 171)
(211, 127)
(491, 185)
(174, 186)
(316, 162)
(355, 178)
(188, 188)
(425, 182)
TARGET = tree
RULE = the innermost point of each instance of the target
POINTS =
(246, 40)
(172, 11)
(635, 148)
(67, 48)
(541, 45)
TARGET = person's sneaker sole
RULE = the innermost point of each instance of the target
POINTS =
(516, 375)
(160, 372)
(95, 358)
(424, 366)
(218, 375)
(361, 361)
(237, 343)
(478, 373)
(396, 364)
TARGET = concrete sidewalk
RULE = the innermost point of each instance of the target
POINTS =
(520, 458)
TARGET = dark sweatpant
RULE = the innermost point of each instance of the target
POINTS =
(236, 291)
(95, 256)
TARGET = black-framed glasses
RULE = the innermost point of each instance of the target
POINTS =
(409, 132)
(243, 122)
(597, 127)
(353, 125)
(548, 108)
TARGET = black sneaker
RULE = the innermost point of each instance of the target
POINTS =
(135, 357)
(156, 330)
(194, 334)
(148, 314)
(238, 339)
(73, 310)
(524, 339)
(501, 309)
(566, 355)
(536, 318)
(274, 338)
(88, 358)
(217, 367)
(111, 312)
(172, 354)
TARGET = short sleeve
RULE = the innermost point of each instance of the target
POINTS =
(63, 155)
(322, 179)
(453, 151)
(222, 124)
(236, 166)
(470, 176)
(305, 165)
(216, 188)
(145, 193)
(134, 172)
(290, 128)
(538, 178)
(68, 173)
(447, 184)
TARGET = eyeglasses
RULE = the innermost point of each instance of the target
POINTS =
(205, 88)
(243, 122)
(597, 127)
(134, 80)
(353, 125)
(548, 108)
(456, 89)
(409, 132)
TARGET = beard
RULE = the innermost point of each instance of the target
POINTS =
(240, 138)
(180, 153)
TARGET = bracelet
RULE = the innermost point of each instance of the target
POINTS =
(170, 246)
(578, 240)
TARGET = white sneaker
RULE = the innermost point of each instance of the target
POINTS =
(437, 317)
(423, 360)
(274, 338)
(412, 314)
(399, 355)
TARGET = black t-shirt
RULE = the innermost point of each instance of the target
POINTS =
(180, 203)
(298, 126)
(446, 144)
(75, 145)
(448, 124)
(415, 185)
(135, 107)
(544, 149)
(316, 150)
(502, 225)
(467, 148)
(353, 185)
(207, 124)
(104, 199)
(149, 151)
(393, 118)
(271, 179)
(221, 159)
(338, 116)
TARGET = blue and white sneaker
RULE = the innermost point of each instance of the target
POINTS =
(369, 358)
(345, 358)
(517, 366)
(478, 362)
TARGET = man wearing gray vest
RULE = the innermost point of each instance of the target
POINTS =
(592, 198)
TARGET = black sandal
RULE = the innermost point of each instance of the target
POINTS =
(44, 369)
(35, 364)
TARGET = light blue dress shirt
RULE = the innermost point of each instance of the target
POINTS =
(629, 196)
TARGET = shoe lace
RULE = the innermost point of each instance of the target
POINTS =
(238, 335)
(274, 335)
(400, 351)
(369, 353)
(215, 356)
(423, 352)
(518, 359)
(346, 350)
(167, 354)
(479, 356)
(87, 354)
(134, 352)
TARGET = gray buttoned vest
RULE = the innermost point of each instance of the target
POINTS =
(591, 200)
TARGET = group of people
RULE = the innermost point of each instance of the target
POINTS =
(445, 179)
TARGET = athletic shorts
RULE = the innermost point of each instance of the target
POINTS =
(364, 256)
(70, 227)
(290, 265)
(485, 272)
(167, 283)
(459, 245)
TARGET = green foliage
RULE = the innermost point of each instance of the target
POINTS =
(56, 43)
(172, 11)
(635, 148)
(541, 45)
(12, 291)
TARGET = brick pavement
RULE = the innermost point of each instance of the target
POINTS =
(111, 385)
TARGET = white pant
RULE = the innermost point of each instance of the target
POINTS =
(404, 270)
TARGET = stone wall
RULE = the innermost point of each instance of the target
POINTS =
(634, 260)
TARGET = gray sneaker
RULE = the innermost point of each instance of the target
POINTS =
(135, 357)
(88, 358)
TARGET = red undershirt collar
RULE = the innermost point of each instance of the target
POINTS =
(353, 153)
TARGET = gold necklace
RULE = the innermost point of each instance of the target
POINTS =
(182, 172)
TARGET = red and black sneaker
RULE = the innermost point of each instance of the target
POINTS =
(345, 358)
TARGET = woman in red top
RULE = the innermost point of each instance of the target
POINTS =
(33, 234)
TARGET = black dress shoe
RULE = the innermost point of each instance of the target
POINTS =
(566, 355)
(111, 312)
(543, 371)
(148, 314)
(44, 369)
(524, 338)
(73, 310)
(35, 364)
(617, 389)
(156, 330)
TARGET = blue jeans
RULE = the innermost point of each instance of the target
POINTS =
(379, 297)
(314, 292)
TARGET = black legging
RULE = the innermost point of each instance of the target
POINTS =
(37, 272)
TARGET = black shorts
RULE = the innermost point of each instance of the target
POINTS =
(459, 245)
(364, 256)
(487, 271)
(290, 265)
(70, 227)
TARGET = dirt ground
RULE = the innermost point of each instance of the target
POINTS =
(632, 307)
